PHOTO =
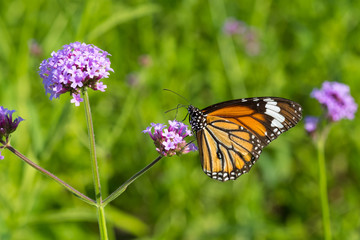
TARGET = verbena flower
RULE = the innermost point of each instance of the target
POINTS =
(251, 42)
(170, 141)
(336, 98)
(145, 60)
(233, 26)
(246, 34)
(7, 124)
(311, 124)
(74, 67)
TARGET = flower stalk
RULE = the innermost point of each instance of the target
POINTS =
(95, 168)
(49, 174)
(123, 187)
(323, 183)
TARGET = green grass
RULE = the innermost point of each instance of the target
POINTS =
(302, 42)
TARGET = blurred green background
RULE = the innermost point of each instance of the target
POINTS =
(180, 45)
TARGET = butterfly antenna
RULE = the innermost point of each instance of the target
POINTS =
(177, 109)
(177, 94)
(185, 117)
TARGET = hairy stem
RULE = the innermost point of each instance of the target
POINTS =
(50, 175)
(323, 184)
(95, 168)
(123, 187)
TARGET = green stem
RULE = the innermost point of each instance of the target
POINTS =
(323, 184)
(55, 178)
(123, 187)
(95, 168)
(102, 223)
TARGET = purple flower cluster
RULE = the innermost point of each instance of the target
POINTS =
(246, 34)
(171, 141)
(7, 124)
(233, 26)
(75, 66)
(336, 98)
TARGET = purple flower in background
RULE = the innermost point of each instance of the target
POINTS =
(132, 79)
(170, 141)
(233, 26)
(336, 98)
(251, 42)
(34, 48)
(311, 124)
(145, 60)
(245, 35)
(74, 67)
(7, 124)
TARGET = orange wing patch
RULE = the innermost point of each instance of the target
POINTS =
(231, 111)
(222, 124)
(228, 165)
(251, 123)
(243, 116)
(204, 152)
(259, 116)
(242, 140)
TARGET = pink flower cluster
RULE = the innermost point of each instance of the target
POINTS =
(171, 141)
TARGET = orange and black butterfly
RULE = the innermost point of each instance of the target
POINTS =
(232, 134)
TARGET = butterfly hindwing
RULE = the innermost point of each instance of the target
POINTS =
(228, 154)
(232, 134)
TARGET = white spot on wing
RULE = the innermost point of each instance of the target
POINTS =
(280, 118)
(273, 107)
(276, 123)
(272, 103)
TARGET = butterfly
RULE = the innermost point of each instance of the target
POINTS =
(232, 134)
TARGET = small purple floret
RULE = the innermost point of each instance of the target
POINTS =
(311, 124)
(76, 99)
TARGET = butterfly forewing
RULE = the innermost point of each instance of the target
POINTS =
(232, 134)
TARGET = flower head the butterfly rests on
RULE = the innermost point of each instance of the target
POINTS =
(74, 67)
(7, 125)
(171, 141)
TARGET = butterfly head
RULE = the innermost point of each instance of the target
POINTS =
(197, 118)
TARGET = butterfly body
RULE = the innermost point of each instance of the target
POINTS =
(232, 134)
